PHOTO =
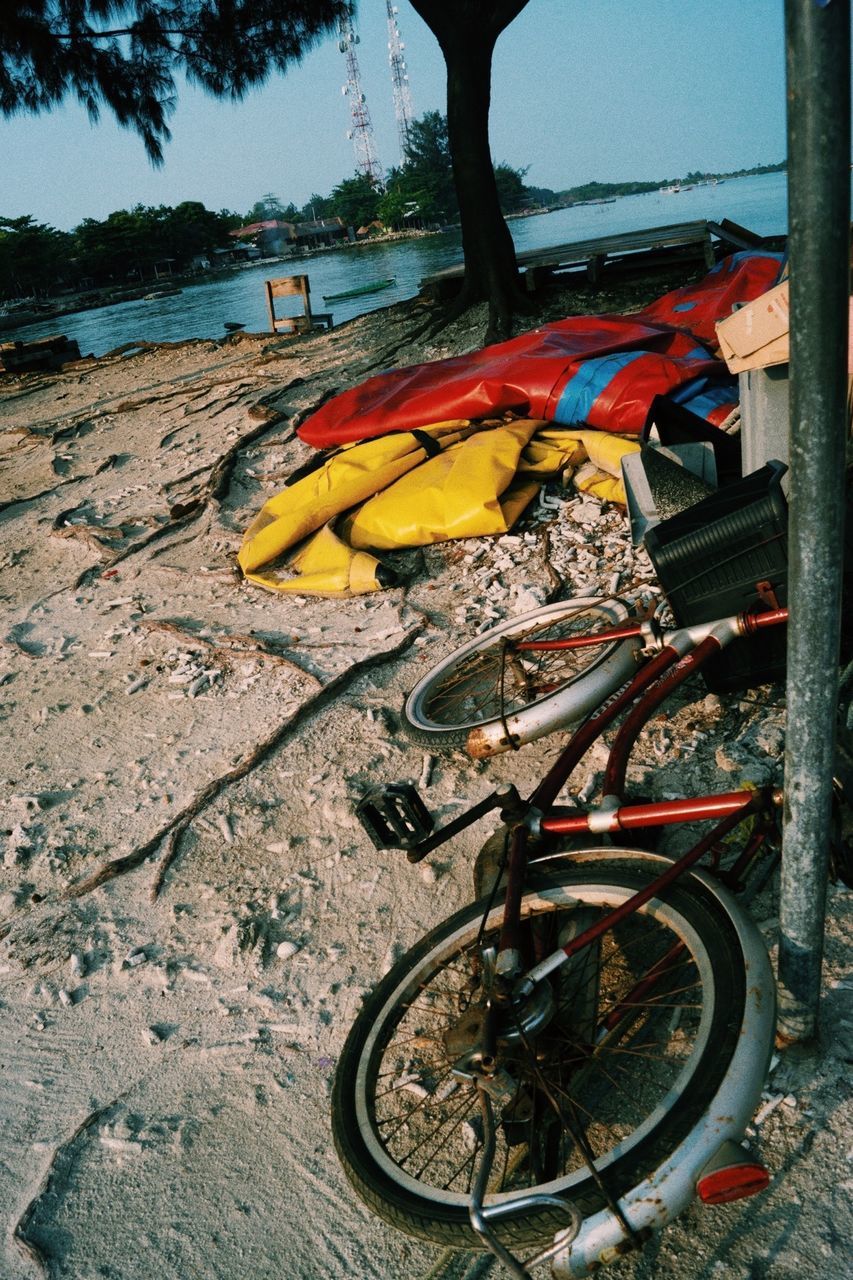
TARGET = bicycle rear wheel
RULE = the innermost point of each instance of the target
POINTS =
(643, 1029)
(490, 681)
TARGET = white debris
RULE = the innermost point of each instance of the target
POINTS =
(198, 684)
(587, 791)
(292, 1029)
(426, 771)
(18, 845)
(767, 1108)
(469, 1136)
(286, 949)
(411, 1083)
(119, 1144)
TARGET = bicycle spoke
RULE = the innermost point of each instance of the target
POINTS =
(442, 1145)
(503, 679)
(608, 1086)
(462, 1106)
(600, 1073)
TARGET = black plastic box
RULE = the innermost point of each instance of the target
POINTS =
(709, 560)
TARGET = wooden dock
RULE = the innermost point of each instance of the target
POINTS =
(693, 239)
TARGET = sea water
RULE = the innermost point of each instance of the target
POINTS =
(237, 297)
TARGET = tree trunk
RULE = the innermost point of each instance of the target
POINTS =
(467, 38)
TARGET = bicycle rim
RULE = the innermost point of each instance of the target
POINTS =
(620, 1070)
(488, 679)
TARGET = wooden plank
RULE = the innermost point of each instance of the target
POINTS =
(41, 354)
(628, 242)
(674, 235)
(734, 234)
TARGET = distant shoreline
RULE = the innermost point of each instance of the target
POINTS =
(67, 305)
(595, 192)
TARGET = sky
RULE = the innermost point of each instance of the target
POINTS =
(582, 90)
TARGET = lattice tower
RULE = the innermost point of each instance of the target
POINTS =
(361, 129)
(403, 109)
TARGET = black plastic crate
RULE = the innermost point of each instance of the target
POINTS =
(709, 560)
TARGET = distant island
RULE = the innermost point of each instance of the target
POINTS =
(611, 190)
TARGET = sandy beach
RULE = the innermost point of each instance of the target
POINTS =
(191, 914)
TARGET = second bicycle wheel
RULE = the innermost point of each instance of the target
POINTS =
(493, 682)
(622, 1050)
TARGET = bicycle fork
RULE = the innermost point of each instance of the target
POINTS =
(482, 1216)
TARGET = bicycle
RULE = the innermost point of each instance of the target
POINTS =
(520, 679)
(587, 1053)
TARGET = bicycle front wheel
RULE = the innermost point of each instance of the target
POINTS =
(641, 1031)
(506, 694)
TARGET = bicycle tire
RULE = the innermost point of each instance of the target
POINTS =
(475, 688)
(392, 1034)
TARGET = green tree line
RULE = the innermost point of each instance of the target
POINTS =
(130, 245)
(134, 244)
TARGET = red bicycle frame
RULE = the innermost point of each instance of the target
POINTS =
(679, 658)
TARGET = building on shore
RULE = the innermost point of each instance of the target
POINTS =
(271, 237)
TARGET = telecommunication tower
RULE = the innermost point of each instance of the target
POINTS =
(361, 130)
(399, 80)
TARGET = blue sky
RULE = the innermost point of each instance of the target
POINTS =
(582, 89)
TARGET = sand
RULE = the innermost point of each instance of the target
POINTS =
(191, 914)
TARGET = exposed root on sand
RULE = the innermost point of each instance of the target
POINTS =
(174, 829)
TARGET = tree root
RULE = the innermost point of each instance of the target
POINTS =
(44, 493)
(502, 310)
(239, 645)
(175, 828)
(430, 327)
(174, 391)
(214, 490)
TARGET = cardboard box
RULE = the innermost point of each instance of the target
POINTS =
(756, 335)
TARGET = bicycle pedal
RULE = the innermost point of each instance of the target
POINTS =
(394, 816)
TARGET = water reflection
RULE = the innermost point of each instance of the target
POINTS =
(203, 310)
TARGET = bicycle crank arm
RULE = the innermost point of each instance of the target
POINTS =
(395, 817)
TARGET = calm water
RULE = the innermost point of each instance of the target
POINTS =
(201, 311)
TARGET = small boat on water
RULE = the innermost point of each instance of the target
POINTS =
(373, 287)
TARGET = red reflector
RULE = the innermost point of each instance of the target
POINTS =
(732, 1182)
